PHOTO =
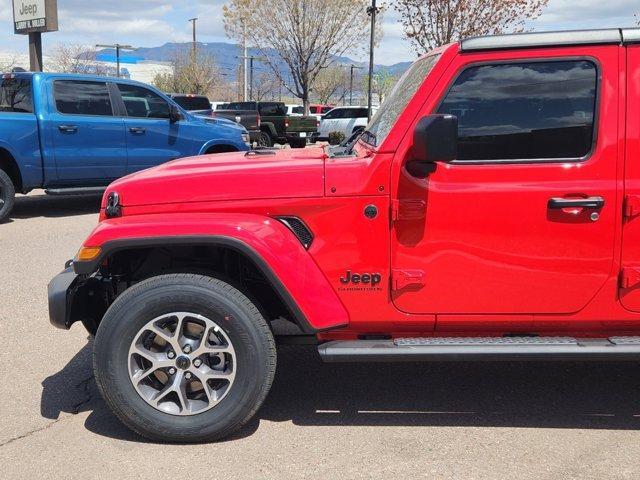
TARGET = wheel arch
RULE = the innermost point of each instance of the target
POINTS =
(10, 166)
(267, 244)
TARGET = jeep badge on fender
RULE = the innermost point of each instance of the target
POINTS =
(367, 278)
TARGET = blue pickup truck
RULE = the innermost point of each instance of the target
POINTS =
(77, 133)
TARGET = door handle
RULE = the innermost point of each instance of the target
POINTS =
(68, 128)
(591, 202)
(137, 130)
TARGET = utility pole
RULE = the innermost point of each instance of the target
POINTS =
(251, 58)
(245, 54)
(118, 47)
(193, 44)
(351, 67)
(371, 11)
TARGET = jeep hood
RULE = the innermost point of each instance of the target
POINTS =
(226, 176)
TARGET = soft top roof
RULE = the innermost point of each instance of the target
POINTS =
(621, 36)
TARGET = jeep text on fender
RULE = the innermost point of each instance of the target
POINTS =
(487, 213)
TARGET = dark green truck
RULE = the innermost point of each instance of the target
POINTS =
(275, 126)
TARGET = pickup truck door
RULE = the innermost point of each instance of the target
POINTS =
(89, 142)
(523, 222)
(151, 138)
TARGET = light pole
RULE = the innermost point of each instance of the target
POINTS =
(371, 11)
(118, 47)
(193, 44)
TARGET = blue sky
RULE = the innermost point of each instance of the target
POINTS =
(150, 23)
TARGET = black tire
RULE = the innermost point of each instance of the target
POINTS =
(7, 195)
(246, 328)
(265, 140)
(298, 143)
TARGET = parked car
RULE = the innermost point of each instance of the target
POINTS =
(195, 104)
(249, 119)
(75, 133)
(491, 211)
(293, 109)
(347, 120)
(219, 105)
(275, 125)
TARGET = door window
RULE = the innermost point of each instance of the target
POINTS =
(82, 98)
(141, 102)
(524, 111)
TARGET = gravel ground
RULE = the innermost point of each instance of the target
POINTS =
(443, 420)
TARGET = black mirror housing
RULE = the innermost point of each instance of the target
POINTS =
(435, 139)
(174, 114)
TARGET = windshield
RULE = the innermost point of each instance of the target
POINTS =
(405, 89)
(15, 95)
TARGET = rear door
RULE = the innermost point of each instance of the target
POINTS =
(89, 141)
(523, 222)
(630, 275)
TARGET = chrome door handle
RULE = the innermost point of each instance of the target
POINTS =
(68, 128)
(137, 130)
(591, 202)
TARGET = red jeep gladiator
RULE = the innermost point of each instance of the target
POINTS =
(490, 211)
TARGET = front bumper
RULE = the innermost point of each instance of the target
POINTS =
(60, 299)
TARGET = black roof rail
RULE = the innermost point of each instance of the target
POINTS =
(552, 39)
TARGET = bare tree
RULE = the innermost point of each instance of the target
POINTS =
(8, 64)
(330, 83)
(75, 58)
(306, 35)
(383, 82)
(197, 74)
(265, 86)
(431, 23)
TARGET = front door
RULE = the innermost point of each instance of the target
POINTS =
(151, 138)
(89, 142)
(523, 221)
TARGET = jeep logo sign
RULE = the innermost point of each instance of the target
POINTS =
(35, 16)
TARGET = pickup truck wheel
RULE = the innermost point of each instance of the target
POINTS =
(184, 358)
(265, 140)
(7, 195)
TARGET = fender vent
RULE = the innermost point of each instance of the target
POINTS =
(299, 229)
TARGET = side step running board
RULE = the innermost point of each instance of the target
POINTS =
(476, 349)
(75, 191)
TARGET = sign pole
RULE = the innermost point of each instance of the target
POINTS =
(35, 51)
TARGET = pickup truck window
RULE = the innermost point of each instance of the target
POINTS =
(269, 108)
(524, 111)
(405, 89)
(15, 95)
(82, 98)
(141, 102)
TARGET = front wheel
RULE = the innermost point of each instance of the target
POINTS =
(184, 358)
(7, 195)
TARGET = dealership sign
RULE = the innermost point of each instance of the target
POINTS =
(35, 16)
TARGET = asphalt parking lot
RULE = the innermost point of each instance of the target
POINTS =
(442, 420)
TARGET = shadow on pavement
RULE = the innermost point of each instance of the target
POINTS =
(43, 205)
(307, 392)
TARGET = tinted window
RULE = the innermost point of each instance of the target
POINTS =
(141, 102)
(271, 108)
(242, 106)
(540, 110)
(15, 95)
(193, 103)
(324, 110)
(334, 113)
(82, 98)
(299, 110)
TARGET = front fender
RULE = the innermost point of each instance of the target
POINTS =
(267, 242)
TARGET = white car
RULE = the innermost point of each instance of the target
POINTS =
(293, 109)
(347, 120)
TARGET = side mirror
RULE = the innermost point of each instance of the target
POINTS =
(435, 139)
(174, 114)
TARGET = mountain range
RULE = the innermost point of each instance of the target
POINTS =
(227, 56)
